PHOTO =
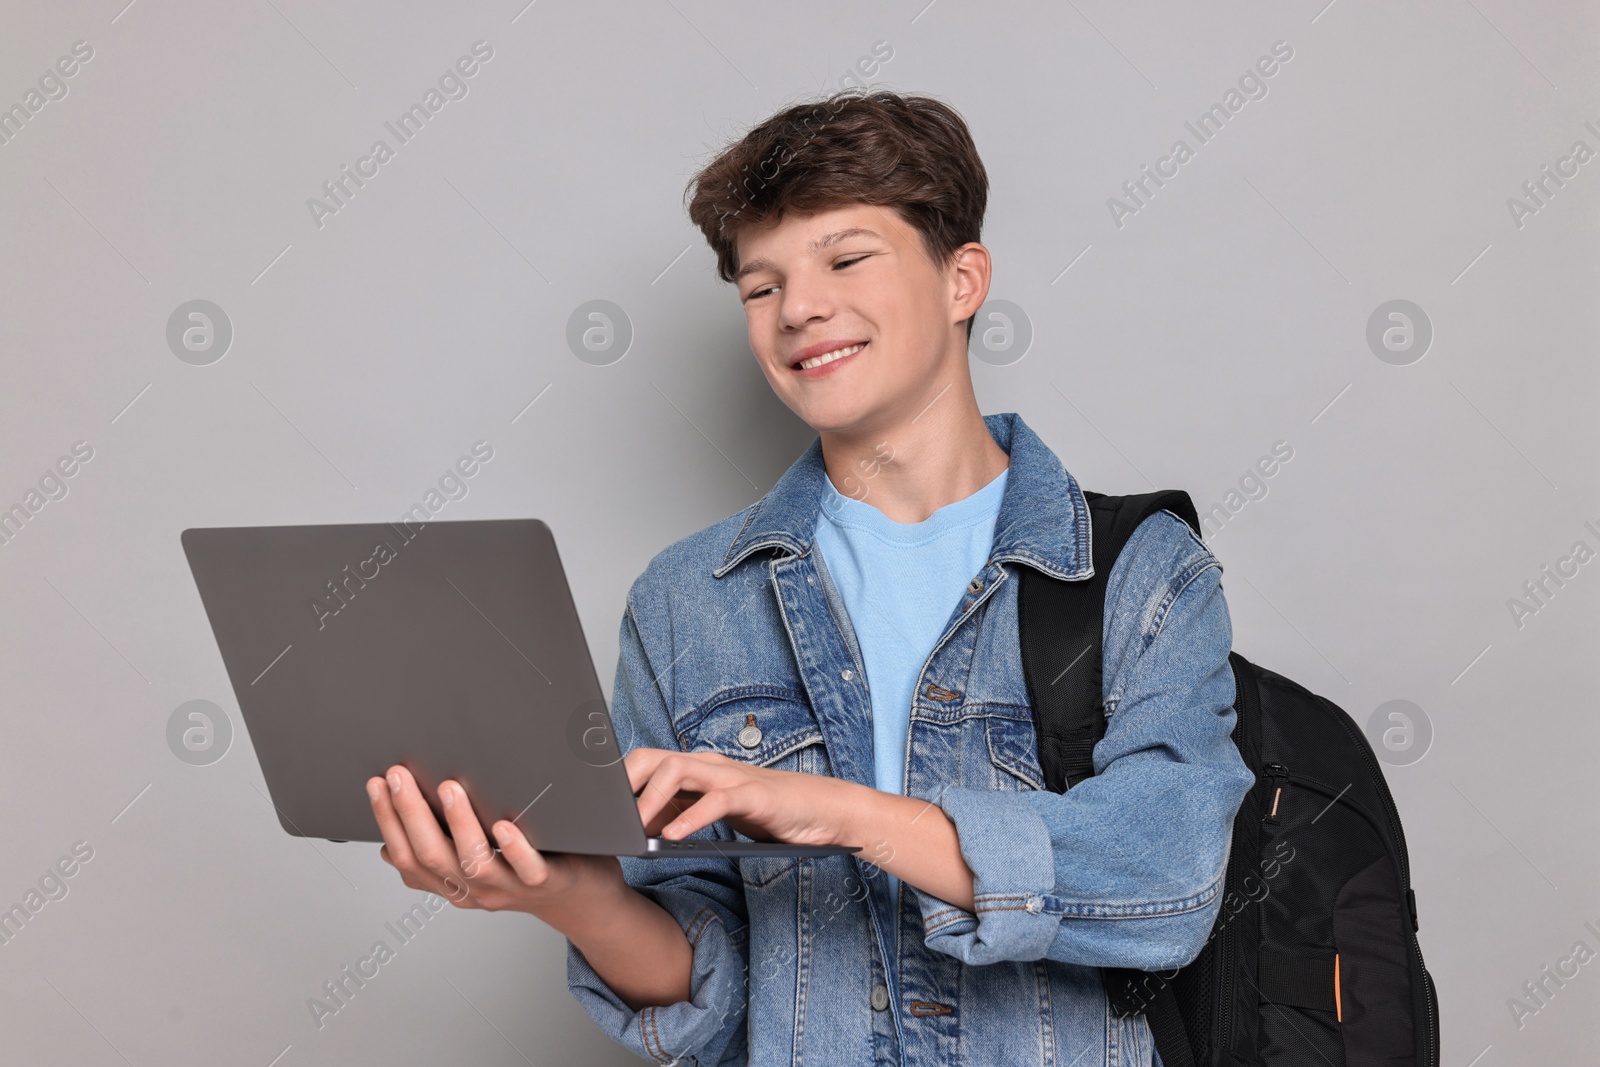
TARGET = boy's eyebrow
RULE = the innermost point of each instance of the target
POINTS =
(813, 248)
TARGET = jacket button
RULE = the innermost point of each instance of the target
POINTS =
(750, 735)
(975, 586)
(847, 674)
(880, 997)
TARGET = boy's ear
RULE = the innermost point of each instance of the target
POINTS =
(969, 274)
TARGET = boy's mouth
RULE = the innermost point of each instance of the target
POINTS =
(828, 357)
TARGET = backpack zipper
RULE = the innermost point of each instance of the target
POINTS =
(1278, 775)
(1433, 1044)
(1226, 951)
(1229, 936)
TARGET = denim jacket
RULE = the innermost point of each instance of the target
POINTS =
(810, 961)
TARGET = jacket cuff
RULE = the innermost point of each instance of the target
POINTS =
(676, 1033)
(1006, 843)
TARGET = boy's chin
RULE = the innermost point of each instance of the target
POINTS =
(844, 414)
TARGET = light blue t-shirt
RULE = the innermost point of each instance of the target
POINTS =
(900, 583)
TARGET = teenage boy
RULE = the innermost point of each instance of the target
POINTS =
(838, 663)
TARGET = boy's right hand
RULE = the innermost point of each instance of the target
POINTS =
(559, 888)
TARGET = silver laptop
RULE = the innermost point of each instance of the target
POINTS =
(453, 648)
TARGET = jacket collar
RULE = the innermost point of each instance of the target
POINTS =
(1043, 520)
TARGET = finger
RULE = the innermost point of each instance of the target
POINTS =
(531, 868)
(396, 849)
(473, 853)
(428, 843)
(669, 811)
(695, 772)
(641, 763)
(717, 804)
(659, 790)
(396, 846)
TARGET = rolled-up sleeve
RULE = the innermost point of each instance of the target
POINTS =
(705, 896)
(1126, 868)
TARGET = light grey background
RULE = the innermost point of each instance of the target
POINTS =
(1229, 313)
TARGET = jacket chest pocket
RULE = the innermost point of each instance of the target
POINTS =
(763, 726)
(1013, 746)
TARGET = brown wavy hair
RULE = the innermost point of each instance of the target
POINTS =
(912, 154)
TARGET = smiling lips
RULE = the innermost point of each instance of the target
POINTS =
(810, 366)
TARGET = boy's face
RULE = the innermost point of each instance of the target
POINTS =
(848, 276)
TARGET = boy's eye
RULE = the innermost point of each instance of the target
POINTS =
(765, 289)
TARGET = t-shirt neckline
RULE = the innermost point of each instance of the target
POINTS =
(848, 512)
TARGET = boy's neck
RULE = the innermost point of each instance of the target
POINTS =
(913, 462)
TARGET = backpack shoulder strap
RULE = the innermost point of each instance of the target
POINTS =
(1061, 624)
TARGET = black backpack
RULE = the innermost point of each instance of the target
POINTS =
(1313, 961)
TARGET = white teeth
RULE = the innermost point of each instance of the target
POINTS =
(829, 357)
